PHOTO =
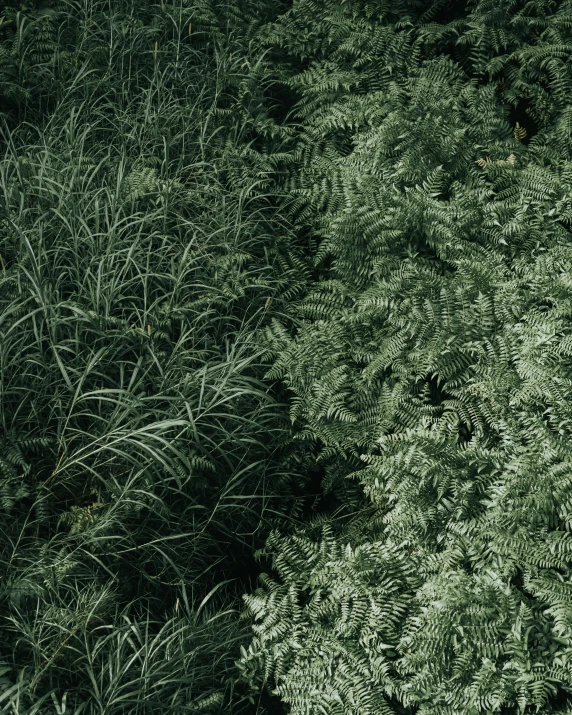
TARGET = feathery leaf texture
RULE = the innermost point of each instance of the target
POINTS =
(435, 349)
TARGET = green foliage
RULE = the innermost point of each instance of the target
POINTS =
(142, 456)
(432, 162)
(338, 611)
(28, 49)
(290, 280)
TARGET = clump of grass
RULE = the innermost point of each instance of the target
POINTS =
(142, 456)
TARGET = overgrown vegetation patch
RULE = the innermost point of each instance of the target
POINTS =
(284, 293)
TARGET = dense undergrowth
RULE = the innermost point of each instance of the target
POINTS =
(430, 363)
(142, 457)
(285, 287)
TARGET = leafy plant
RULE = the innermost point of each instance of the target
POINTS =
(431, 356)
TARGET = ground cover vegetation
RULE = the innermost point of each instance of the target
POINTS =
(285, 291)
(142, 456)
(431, 361)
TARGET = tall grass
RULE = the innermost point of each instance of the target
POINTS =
(142, 456)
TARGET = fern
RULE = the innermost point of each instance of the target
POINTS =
(434, 349)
